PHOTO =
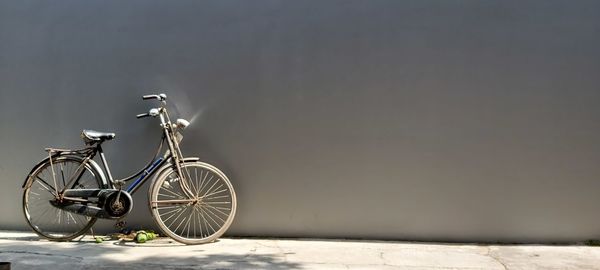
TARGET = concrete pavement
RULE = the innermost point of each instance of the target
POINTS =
(26, 251)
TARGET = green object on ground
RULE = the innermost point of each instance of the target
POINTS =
(98, 239)
(141, 237)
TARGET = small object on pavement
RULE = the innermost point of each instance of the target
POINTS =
(98, 239)
(115, 236)
(141, 237)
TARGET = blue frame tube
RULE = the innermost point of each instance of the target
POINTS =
(140, 180)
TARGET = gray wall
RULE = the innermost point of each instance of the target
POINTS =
(423, 120)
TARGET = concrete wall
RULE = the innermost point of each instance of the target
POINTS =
(426, 120)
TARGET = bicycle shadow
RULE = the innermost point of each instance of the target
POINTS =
(86, 254)
(18, 237)
(161, 242)
(21, 238)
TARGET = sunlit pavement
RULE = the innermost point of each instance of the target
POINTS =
(26, 251)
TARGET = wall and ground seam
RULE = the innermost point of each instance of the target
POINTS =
(415, 120)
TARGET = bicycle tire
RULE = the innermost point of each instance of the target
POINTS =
(35, 209)
(204, 215)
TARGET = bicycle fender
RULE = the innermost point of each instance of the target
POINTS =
(92, 163)
(100, 172)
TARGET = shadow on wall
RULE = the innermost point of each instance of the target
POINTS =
(89, 255)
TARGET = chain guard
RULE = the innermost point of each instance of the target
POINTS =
(96, 203)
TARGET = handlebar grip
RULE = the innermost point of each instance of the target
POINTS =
(142, 115)
(161, 97)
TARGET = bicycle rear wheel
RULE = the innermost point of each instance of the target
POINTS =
(47, 220)
(200, 219)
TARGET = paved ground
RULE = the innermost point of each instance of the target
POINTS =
(26, 251)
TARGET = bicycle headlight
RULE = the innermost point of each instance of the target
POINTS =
(182, 123)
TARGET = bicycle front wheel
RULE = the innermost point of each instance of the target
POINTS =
(201, 217)
(47, 220)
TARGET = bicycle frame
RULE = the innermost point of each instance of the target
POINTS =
(173, 153)
(142, 176)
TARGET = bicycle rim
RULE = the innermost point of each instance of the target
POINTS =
(47, 220)
(197, 220)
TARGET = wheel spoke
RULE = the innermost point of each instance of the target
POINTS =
(199, 221)
(171, 213)
(213, 193)
(180, 212)
(62, 174)
(174, 193)
(44, 184)
(216, 197)
(188, 224)
(216, 209)
(173, 201)
(167, 207)
(202, 182)
(168, 196)
(180, 223)
(197, 182)
(191, 181)
(213, 214)
(168, 212)
(218, 202)
(206, 223)
(208, 190)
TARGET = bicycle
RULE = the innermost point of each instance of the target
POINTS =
(191, 201)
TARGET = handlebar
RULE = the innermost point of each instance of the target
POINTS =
(161, 97)
(153, 112)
